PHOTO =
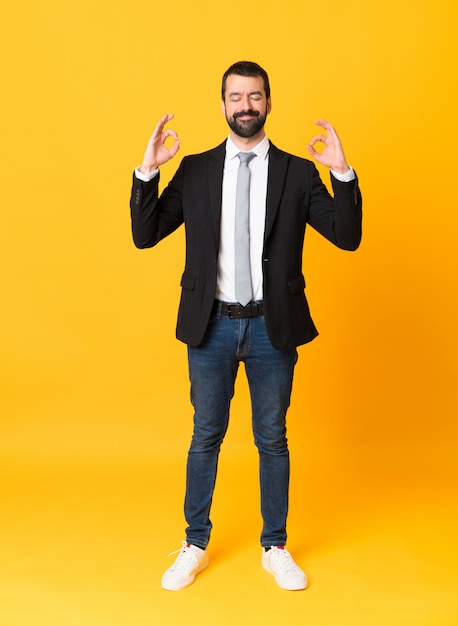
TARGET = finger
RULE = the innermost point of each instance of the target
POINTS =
(176, 141)
(166, 118)
(174, 148)
(160, 125)
(318, 138)
(328, 127)
(323, 123)
(314, 153)
(169, 133)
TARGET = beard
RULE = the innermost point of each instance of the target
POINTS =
(247, 128)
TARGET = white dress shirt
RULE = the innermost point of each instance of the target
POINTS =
(225, 288)
(259, 166)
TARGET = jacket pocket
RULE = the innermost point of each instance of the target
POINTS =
(296, 284)
(188, 281)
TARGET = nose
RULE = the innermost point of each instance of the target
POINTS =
(245, 102)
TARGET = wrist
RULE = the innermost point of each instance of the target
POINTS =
(147, 169)
(343, 169)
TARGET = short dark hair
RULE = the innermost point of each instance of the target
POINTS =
(246, 68)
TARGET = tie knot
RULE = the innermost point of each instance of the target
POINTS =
(245, 157)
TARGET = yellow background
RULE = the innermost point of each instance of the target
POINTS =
(95, 417)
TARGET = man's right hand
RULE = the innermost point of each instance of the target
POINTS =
(156, 152)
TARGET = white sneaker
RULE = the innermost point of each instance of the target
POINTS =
(280, 563)
(190, 561)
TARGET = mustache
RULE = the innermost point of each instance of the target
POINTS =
(248, 112)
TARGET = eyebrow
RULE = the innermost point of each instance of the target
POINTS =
(251, 93)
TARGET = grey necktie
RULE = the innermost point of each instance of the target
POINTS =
(243, 288)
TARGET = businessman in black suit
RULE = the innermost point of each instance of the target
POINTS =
(262, 331)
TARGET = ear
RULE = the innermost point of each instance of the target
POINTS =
(223, 108)
(269, 105)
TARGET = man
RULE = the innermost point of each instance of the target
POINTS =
(243, 292)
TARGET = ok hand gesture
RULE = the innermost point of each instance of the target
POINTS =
(156, 152)
(332, 156)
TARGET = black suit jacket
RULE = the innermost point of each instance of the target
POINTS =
(295, 197)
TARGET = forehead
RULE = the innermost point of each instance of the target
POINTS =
(244, 84)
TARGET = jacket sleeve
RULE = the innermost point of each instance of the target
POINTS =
(337, 218)
(154, 217)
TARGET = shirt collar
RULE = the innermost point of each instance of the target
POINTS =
(261, 149)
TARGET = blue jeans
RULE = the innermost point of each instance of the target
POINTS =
(213, 367)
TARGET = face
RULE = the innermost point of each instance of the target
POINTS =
(245, 105)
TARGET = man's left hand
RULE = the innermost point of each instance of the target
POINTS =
(332, 156)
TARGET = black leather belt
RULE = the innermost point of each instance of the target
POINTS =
(237, 311)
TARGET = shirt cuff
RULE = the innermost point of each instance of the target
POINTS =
(145, 177)
(347, 177)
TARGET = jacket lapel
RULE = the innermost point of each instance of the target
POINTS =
(215, 181)
(278, 163)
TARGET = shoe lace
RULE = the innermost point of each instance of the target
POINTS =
(283, 560)
(186, 559)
